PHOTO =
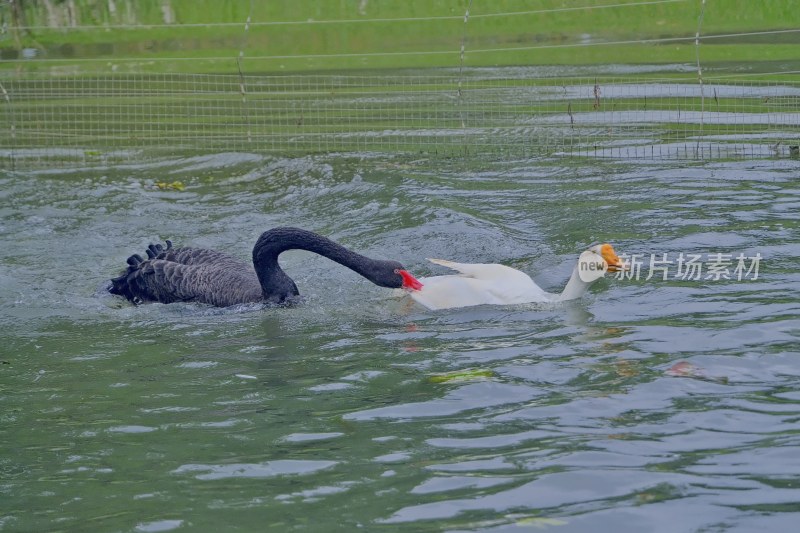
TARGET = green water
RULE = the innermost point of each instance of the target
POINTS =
(329, 416)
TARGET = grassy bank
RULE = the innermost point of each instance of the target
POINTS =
(206, 37)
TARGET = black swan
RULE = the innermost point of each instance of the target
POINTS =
(207, 276)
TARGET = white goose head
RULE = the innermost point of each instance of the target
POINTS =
(608, 256)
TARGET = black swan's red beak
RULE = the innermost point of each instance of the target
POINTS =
(409, 281)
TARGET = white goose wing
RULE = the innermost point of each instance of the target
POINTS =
(478, 284)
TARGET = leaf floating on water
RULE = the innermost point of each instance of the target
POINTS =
(541, 523)
(461, 375)
(175, 185)
(685, 369)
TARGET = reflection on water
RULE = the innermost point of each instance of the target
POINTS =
(648, 405)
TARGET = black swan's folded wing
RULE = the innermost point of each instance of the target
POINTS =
(194, 256)
(187, 275)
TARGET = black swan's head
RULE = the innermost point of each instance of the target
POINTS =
(391, 274)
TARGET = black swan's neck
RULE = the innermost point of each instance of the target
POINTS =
(279, 287)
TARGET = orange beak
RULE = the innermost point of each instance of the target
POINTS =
(615, 264)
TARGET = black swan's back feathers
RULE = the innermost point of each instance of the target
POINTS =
(187, 275)
(194, 256)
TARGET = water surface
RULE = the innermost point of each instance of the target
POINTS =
(649, 405)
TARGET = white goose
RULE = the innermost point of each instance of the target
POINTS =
(481, 284)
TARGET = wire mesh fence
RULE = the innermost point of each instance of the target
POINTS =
(118, 118)
(93, 102)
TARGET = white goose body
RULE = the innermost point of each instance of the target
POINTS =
(478, 284)
(493, 284)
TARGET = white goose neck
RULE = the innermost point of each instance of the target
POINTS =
(575, 288)
(592, 266)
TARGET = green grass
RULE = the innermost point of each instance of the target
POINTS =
(541, 38)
